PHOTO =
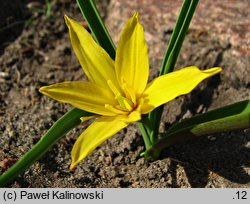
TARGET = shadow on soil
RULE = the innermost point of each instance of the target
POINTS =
(222, 154)
(12, 20)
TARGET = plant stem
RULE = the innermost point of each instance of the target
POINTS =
(145, 137)
(56, 132)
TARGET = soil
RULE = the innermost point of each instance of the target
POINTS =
(39, 53)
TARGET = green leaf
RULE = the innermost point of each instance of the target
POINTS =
(225, 119)
(236, 109)
(171, 55)
(178, 36)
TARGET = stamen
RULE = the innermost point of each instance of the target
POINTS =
(128, 93)
(113, 88)
(114, 110)
(125, 103)
(121, 108)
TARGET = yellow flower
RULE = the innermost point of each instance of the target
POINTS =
(117, 92)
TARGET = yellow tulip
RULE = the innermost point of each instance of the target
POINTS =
(117, 91)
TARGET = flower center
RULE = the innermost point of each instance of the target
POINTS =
(126, 100)
(124, 103)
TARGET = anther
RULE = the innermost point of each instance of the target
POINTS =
(125, 103)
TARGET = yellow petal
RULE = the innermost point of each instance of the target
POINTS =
(99, 131)
(134, 116)
(83, 95)
(131, 61)
(169, 86)
(96, 63)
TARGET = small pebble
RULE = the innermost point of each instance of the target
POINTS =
(4, 75)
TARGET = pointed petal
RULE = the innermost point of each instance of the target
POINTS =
(83, 95)
(169, 86)
(96, 63)
(99, 131)
(131, 61)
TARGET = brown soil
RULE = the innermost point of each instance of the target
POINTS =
(40, 53)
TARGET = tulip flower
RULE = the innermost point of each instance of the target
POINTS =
(117, 91)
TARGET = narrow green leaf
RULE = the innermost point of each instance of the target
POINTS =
(241, 107)
(174, 37)
(225, 119)
(171, 55)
